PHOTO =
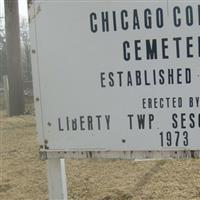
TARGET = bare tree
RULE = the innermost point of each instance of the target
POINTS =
(16, 93)
(26, 57)
(3, 69)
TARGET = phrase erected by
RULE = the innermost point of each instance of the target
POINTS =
(147, 49)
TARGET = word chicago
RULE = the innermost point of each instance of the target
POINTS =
(134, 19)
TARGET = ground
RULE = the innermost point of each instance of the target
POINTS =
(23, 174)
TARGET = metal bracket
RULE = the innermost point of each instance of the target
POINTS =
(43, 155)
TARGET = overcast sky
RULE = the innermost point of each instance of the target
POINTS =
(22, 8)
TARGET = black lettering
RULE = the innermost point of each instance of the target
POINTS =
(192, 123)
(191, 103)
(136, 23)
(179, 76)
(144, 103)
(176, 11)
(130, 116)
(170, 76)
(129, 79)
(188, 75)
(120, 78)
(147, 19)
(161, 103)
(93, 25)
(154, 77)
(138, 77)
(159, 17)
(124, 14)
(180, 103)
(167, 98)
(177, 40)
(151, 119)
(137, 49)
(111, 80)
(145, 78)
(90, 123)
(199, 14)
(199, 120)
(199, 45)
(59, 125)
(161, 75)
(189, 15)
(141, 121)
(74, 125)
(183, 119)
(107, 117)
(81, 123)
(102, 79)
(99, 121)
(164, 47)
(126, 54)
(189, 45)
(67, 123)
(114, 21)
(150, 103)
(105, 21)
(174, 119)
(151, 49)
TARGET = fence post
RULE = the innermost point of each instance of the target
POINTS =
(56, 179)
(6, 94)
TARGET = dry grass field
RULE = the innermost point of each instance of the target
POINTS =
(23, 175)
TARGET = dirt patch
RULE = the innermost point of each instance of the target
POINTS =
(23, 174)
(5, 187)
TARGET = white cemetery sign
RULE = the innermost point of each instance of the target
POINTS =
(117, 75)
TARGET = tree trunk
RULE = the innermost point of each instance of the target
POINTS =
(16, 94)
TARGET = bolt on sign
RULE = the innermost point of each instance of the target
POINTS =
(117, 76)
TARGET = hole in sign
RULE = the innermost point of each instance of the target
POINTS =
(123, 141)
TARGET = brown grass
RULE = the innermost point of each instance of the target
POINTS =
(23, 175)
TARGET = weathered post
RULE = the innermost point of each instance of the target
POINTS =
(57, 179)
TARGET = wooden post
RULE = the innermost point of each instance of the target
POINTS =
(16, 93)
(57, 179)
